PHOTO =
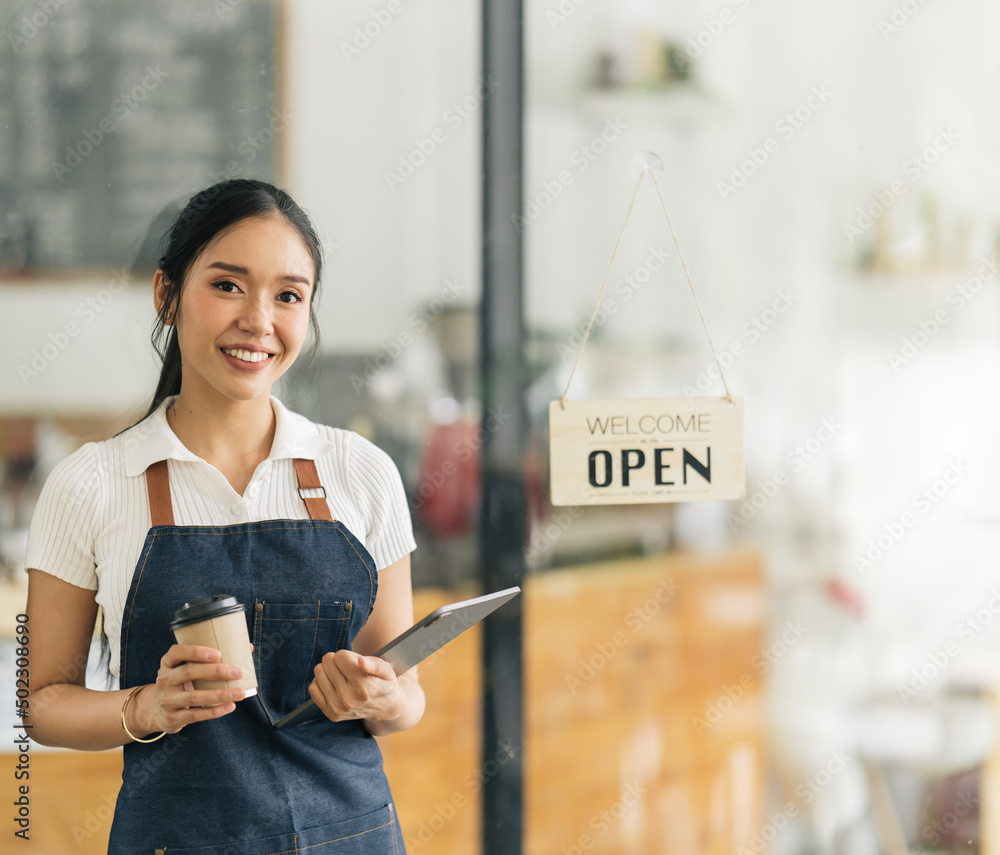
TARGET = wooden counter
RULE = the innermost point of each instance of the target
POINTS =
(625, 663)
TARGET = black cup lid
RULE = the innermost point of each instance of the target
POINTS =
(204, 609)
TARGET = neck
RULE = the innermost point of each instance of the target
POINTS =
(223, 432)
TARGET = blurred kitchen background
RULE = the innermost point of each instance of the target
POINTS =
(812, 670)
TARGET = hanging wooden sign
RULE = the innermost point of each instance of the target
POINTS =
(645, 450)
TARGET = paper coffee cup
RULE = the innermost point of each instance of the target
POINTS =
(218, 622)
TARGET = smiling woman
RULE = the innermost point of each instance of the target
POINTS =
(238, 332)
(260, 236)
(224, 470)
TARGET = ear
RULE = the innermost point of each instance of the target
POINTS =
(161, 287)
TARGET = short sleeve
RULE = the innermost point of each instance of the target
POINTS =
(62, 530)
(378, 490)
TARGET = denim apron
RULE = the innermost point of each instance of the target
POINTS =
(235, 785)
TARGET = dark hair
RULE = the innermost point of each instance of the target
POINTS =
(206, 214)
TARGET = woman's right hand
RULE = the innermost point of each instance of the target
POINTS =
(172, 702)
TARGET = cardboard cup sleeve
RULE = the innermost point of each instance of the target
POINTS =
(228, 634)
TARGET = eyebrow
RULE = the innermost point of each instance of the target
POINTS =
(236, 268)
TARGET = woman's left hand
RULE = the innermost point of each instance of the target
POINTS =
(351, 686)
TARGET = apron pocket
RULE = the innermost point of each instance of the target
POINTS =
(375, 833)
(289, 641)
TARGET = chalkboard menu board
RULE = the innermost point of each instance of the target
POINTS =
(113, 112)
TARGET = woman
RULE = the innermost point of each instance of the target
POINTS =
(222, 490)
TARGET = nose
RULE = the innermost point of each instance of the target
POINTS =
(256, 318)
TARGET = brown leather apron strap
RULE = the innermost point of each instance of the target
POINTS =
(161, 509)
(305, 471)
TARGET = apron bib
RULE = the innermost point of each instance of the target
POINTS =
(235, 785)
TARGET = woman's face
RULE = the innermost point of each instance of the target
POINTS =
(244, 309)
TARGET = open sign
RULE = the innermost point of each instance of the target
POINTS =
(646, 450)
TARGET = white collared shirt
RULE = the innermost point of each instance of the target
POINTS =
(93, 512)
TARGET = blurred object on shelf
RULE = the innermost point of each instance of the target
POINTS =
(651, 61)
(895, 235)
(606, 73)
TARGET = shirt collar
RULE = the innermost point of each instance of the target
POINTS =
(153, 439)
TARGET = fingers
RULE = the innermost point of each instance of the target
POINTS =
(175, 702)
(184, 663)
(349, 686)
(377, 667)
(181, 653)
(325, 694)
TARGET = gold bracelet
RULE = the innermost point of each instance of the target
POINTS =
(132, 694)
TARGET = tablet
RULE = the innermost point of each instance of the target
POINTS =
(420, 641)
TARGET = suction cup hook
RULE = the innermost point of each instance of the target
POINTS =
(643, 162)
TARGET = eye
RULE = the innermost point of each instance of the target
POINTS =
(222, 285)
(295, 295)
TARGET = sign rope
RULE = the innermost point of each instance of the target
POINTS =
(607, 276)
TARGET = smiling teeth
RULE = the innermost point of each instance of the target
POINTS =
(248, 356)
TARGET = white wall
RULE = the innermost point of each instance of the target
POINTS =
(389, 248)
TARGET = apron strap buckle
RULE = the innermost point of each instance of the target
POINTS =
(308, 477)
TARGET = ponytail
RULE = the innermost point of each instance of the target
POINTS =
(169, 383)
